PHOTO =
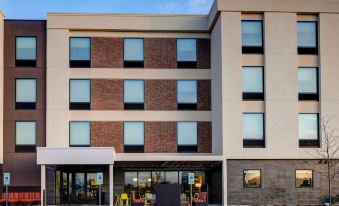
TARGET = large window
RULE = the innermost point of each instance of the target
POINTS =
(25, 94)
(80, 94)
(187, 135)
(252, 36)
(25, 136)
(308, 130)
(253, 83)
(303, 178)
(307, 37)
(79, 134)
(26, 53)
(134, 137)
(308, 83)
(133, 53)
(253, 130)
(186, 53)
(134, 94)
(187, 95)
(80, 52)
(252, 178)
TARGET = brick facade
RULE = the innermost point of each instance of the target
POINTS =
(160, 95)
(204, 95)
(204, 137)
(107, 94)
(160, 53)
(160, 137)
(204, 53)
(107, 134)
(107, 52)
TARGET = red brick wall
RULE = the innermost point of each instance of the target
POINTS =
(107, 134)
(160, 95)
(160, 137)
(160, 53)
(204, 95)
(107, 94)
(204, 53)
(204, 137)
(107, 52)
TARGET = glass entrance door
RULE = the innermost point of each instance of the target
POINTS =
(92, 188)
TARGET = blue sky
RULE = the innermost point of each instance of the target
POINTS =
(37, 9)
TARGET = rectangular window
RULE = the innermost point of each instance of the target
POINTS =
(26, 53)
(25, 136)
(187, 136)
(308, 84)
(131, 180)
(307, 37)
(309, 130)
(253, 83)
(186, 53)
(133, 53)
(80, 134)
(252, 179)
(252, 36)
(80, 94)
(80, 52)
(253, 130)
(134, 94)
(25, 93)
(187, 95)
(134, 137)
(303, 178)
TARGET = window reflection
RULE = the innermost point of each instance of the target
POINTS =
(131, 180)
(303, 178)
(252, 178)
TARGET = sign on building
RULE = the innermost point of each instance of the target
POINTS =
(100, 178)
(191, 178)
(7, 178)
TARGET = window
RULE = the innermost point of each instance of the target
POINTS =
(308, 130)
(25, 93)
(144, 180)
(187, 135)
(131, 180)
(308, 83)
(252, 179)
(186, 53)
(133, 53)
(80, 134)
(303, 178)
(80, 94)
(253, 130)
(25, 55)
(134, 94)
(252, 36)
(253, 83)
(80, 52)
(134, 137)
(25, 136)
(187, 95)
(307, 37)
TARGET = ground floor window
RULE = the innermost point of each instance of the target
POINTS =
(252, 178)
(303, 178)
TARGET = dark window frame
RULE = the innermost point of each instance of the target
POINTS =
(26, 105)
(80, 63)
(133, 105)
(243, 178)
(30, 63)
(249, 143)
(187, 148)
(254, 49)
(187, 64)
(255, 96)
(305, 143)
(309, 50)
(295, 179)
(133, 148)
(310, 96)
(80, 105)
(186, 106)
(90, 134)
(133, 63)
(26, 148)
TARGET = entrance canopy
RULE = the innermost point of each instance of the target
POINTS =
(75, 155)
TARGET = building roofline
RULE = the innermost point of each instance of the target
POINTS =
(126, 14)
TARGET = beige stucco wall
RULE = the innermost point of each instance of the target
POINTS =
(1, 83)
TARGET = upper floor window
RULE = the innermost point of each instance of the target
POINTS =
(252, 178)
(186, 53)
(134, 136)
(25, 93)
(308, 84)
(308, 130)
(252, 36)
(80, 94)
(134, 94)
(307, 37)
(26, 52)
(79, 134)
(187, 135)
(187, 95)
(303, 178)
(253, 130)
(80, 52)
(133, 53)
(253, 83)
(25, 136)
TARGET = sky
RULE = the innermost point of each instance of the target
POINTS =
(38, 9)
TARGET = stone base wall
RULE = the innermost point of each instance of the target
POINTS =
(277, 183)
